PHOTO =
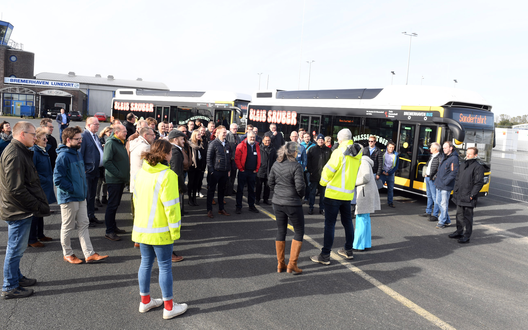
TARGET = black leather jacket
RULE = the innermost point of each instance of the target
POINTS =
(286, 180)
(218, 156)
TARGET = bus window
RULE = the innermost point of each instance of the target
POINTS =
(158, 114)
(480, 139)
(183, 116)
(384, 130)
(426, 137)
(352, 123)
(223, 117)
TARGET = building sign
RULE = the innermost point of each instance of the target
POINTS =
(133, 106)
(41, 83)
(273, 116)
(54, 92)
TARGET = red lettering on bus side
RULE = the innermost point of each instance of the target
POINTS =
(273, 116)
(270, 114)
(250, 117)
(288, 117)
(294, 118)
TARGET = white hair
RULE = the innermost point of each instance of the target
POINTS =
(344, 135)
(250, 133)
(233, 125)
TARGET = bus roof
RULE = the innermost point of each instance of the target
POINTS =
(188, 96)
(388, 97)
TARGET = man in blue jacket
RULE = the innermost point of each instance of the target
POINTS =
(70, 179)
(445, 182)
(64, 121)
(387, 169)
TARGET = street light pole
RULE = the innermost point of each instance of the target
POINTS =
(409, 59)
(309, 72)
(456, 82)
(392, 78)
(259, 74)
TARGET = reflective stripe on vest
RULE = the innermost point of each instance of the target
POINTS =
(157, 230)
(330, 168)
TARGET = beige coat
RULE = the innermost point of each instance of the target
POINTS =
(368, 199)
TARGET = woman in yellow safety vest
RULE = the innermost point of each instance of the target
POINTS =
(157, 222)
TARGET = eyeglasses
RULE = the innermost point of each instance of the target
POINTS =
(49, 126)
(371, 141)
(77, 139)
(34, 134)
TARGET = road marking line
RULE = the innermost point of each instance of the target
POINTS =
(390, 292)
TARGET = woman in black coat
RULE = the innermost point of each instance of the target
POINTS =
(197, 168)
(286, 180)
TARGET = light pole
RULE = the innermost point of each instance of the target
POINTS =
(422, 80)
(309, 72)
(456, 82)
(409, 59)
(259, 74)
(392, 77)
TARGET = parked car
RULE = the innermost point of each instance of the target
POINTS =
(53, 112)
(75, 116)
(101, 116)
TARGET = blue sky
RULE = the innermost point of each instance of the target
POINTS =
(222, 45)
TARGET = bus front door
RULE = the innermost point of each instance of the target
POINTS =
(312, 124)
(414, 141)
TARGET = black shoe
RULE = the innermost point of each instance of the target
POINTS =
(19, 292)
(238, 211)
(254, 210)
(104, 200)
(392, 205)
(267, 202)
(112, 237)
(321, 259)
(321, 211)
(310, 212)
(25, 282)
(119, 231)
(95, 220)
(433, 218)
(455, 235)
(257, 202)
(98, 202)
(346, 254)
(92, 224)
(190, 202)
(463, 240)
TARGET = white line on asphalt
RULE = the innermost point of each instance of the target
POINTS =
(390, 292)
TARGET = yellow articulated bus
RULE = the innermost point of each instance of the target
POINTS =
(411, 116)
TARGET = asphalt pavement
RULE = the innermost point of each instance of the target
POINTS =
(414, 277)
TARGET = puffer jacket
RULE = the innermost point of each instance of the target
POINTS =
(42, 162)
(21, 194)
(447, 172)
(69, 176)
(286, 180)
(469, 181)
(218, 156)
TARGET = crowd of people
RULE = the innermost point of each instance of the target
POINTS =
(161, 164)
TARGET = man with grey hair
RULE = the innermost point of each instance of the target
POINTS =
(339, 177)
(21, 198)
(247, 159)
(234, 139)
(430, 174)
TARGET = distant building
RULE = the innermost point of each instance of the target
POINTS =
(23, 93)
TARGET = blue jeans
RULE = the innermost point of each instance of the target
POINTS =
(442, 200)
(390, 186)
(17, 241)
(431, 198)
(332, 208)
(314, 187)
(164, 255)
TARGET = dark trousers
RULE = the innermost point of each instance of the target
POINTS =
(91, 180)
(332, 208)
(295, 215)
(246, 177)
(217, 178)
(260, 183)
(314, 188)
(115, 193)
(307, 185)
(230, 186)
(464, 218)
(195, 182)
(37, 229)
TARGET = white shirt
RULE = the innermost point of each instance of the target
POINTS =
(428, 172)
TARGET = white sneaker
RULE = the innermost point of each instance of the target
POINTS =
(143, 308)
(177, 309)
(200, 195)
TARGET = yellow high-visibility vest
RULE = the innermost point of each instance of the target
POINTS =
(340, 172)
(157, 216)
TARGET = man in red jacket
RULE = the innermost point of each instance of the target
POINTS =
(247, 159)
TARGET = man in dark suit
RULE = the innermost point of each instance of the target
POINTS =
(374, 153)
(64, 121)
(92, 155)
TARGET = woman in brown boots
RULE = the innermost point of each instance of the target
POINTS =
(286, 180)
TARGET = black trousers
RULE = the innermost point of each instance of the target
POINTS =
(262, 182)
(464, 218)
(246, 178)
(37, 230)
(295, 215)
(91, 180)
(195, 182)
(217, 178)
(115, 193)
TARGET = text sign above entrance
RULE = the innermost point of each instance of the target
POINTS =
(43, 83)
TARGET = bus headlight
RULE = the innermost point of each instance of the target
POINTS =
(486, 179)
